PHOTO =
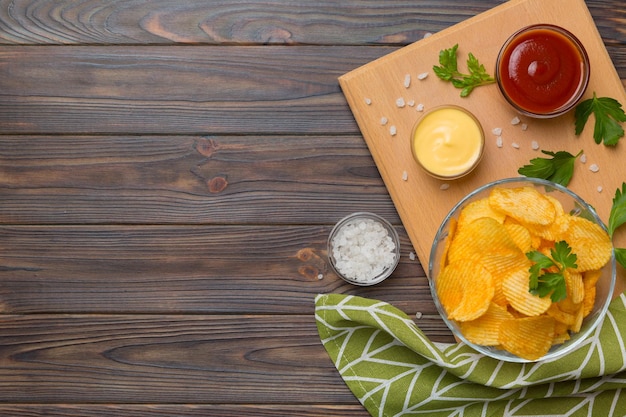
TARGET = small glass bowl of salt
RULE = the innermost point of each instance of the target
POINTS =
(363, 248)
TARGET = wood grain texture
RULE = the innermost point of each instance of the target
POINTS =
(250, 22)
(181, 90)
(230, 22)
(183, 410)
(176, 90)
(210, 269)
(188, 180)
(164, 359)
(169, 173)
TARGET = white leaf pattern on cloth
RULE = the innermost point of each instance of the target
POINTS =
(395, 370)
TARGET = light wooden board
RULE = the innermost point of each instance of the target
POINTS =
(419, 200)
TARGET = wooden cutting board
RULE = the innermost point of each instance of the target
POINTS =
(373, 90)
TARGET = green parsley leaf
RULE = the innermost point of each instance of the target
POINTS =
(542, 282)
(620, 256)
(617, 217)
(447, 70)
(608, 113)
(559, 168)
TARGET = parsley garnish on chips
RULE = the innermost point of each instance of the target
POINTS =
(547, 274)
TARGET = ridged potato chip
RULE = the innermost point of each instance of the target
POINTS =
(465, 290)
(574, 284)
(520, 235)
(561, 316)
(485, 330)
(589, 242)
(524, 204)
(529, 338)
(482, 237)
(515, 288)
(484, 282)
(477, 209)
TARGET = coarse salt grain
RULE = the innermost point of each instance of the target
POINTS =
(363, 249)
(419, 107)
(583, 159)
(499, 142)
(599, 188)
(320, 276)
(515, 145)
(515, 121)
(407, 80)
(594, 168)
(497, 131)
(534, 145)
(422, 76)
(393, 130)
(412, 256)
(410, 103)
(427, 35)
(405, 176)
(444, 186)
(524, 127)
(400, 102)
(383, 121)
(418, 315)
(368, 101)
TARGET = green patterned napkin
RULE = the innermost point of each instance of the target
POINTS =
(394, 370)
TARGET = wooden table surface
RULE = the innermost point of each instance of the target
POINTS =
(169, 173)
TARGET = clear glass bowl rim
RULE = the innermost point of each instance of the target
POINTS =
(386, 224)
(582, 87)
(556, 351)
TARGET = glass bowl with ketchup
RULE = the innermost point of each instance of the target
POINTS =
(542, 70)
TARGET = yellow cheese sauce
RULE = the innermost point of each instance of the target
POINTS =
(447, 142)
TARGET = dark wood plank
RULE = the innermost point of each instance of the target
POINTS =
(177, 90)
(188, 180)
(251, 22)
(232, 22)
(196, 269)
(190, 410)
(183, 89)
(145, 359)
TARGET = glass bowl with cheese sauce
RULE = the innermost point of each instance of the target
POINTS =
(447, 142)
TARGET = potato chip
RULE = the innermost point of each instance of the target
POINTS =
(515, 288)
(589, 301)
(485, 329)
(452, 227)
(568, 306)
(482, 237)
(591, 277)
(520, 235)
(529, 338)
(524, 204)
(574, 284)
(589, 242)
(477, 209)
(561, 316)
(465, 289)
(578, 323)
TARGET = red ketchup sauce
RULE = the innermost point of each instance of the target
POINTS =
(542, 71)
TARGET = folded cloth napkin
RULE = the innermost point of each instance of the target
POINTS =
(395, 370)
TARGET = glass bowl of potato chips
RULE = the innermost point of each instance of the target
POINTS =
(522, 270)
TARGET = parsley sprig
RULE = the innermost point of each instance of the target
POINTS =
(559, 168)
(617, 217)
(448, 70)
(547, 274)
(608, 113)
